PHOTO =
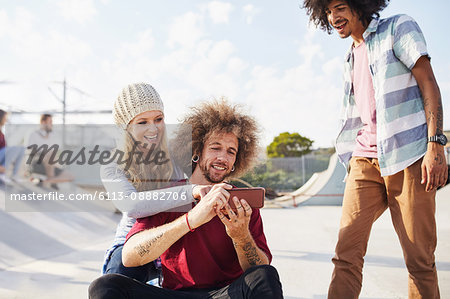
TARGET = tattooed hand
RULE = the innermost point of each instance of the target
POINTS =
(237, 227)
(237, 222)
(434, 167)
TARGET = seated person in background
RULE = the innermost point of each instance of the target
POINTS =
(8, 154)
(44, 136)
(204, 253)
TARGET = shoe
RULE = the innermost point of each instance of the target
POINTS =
(5, 179)
(54, 186)
(18, 179)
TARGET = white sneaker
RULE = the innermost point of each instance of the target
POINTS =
(18, 179)
(5, 179)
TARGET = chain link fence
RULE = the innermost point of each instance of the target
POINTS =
(281, 175)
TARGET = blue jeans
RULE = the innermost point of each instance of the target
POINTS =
(12, 154)
(142, 273)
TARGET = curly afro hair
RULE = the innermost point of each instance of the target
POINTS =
(213, 117)
(366, 9)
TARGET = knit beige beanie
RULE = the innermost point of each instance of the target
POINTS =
(135, 99)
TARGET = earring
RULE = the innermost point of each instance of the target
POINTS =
(195, 158)
(232, 168)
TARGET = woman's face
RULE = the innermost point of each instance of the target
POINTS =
(147, 127)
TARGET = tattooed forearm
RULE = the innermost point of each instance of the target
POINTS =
(251, 254)
(439, 118)
(143, 249)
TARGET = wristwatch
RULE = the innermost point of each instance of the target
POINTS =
(439, 138)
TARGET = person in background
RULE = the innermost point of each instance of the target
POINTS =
(9, 155)
(53, 173)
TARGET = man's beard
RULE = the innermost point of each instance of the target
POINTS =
(208, 176)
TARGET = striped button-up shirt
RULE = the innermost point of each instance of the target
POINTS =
(393, 47)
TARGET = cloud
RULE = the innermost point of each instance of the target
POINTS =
(140, 48)
(445, 90)
(334, 65)
(37, 58)
(309, 50)
(250, 11)
(132, 61)
(301, 98)
(77, 10)
(185, 62)
(236, 65)
(298, 99)
(4, 22)
(209, 68)
(41, 51)
(219, 11)
(186, 30)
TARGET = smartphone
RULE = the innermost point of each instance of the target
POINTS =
(254, 196)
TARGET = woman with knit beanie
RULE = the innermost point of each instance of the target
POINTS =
(139, 111)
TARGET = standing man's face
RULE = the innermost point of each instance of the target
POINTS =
(343, 19)
(218, 156)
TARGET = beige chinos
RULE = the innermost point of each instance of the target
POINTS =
(367, 195)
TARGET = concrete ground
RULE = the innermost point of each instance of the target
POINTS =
(302, 241)
(57, 255)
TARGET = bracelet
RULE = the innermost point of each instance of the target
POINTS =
(187, 221)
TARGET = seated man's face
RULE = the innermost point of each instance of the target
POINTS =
(47, 125)
(218, 156)
(4, 120)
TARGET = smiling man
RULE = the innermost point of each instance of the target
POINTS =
(204, 253)
(390, 139)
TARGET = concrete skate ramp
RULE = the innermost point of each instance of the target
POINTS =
(36, 235)
(323, 188)
(301, 240)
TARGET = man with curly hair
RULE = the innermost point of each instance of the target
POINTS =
(211, 251)
(390, 139)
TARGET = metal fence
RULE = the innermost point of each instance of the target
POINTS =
(286, 174)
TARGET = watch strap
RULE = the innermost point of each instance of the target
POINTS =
(439, 138)
(433, 138)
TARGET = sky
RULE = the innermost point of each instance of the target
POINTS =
(262, 54)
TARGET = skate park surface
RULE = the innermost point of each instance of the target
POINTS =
(58, 254)
(323, 188)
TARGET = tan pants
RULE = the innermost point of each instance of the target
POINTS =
(367, 195)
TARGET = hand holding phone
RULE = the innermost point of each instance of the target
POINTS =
(254, 196)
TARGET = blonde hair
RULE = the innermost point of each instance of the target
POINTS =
(145, 176)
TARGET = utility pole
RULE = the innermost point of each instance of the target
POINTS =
(63, 101)
(64, 114)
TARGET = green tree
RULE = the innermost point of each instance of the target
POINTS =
(289, 145)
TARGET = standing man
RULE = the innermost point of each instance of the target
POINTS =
(211, 251)
(391, 141)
